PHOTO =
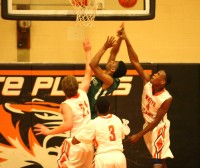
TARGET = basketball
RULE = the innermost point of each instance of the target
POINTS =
(79, 2)
(127, 3)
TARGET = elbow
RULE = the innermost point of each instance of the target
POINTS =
(67, 127)
(70, 126)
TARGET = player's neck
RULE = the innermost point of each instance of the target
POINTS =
(157, 89)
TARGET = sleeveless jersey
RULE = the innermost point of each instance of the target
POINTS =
(96, 91)
(81, 111)
(157, 140)
(105, 131)
(151, 103)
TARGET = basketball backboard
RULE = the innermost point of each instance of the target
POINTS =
(62, 10)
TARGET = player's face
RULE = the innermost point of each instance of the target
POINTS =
(112, 64)
(158, 78)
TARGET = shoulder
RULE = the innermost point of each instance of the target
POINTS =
(116, 118)
(148, 84)
(167, 94)
(82, 92)
(116, 82)
(91, 123)
(96, 80)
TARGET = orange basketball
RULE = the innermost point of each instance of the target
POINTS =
(79, 2)
(127, 3)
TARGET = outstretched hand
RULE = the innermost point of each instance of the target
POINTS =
(121, 28)
(127, 139)
(110, 42)
(86, 45)
(41, 129)
(121, 32)
(133, 139)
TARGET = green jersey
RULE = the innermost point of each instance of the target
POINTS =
(96, 91)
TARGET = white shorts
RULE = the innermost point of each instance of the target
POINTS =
(113, 159)
(76, 156)
(158, 142)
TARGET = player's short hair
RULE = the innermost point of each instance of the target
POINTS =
(70, 86)
(168, 78)
(121, 70)
(102, 105)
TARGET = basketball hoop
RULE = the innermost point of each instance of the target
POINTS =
(85, 11)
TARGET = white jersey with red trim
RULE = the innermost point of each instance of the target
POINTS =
(157, 140)
(151, 103)
(106, 131)
(81, 111)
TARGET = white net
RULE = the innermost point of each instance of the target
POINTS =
(85, 11)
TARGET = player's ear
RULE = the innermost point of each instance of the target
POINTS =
(113, 70)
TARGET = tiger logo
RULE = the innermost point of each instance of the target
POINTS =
(19, 146)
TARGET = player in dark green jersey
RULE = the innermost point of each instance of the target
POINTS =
(105, 82)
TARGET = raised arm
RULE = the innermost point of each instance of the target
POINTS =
(133, 57)
(94, 64)
(115, 48)
(85, 83)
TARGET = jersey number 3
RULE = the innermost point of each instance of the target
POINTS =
(112, 133)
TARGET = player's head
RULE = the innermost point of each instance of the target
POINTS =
(102, 105)
(121, 70)
(161, 78)
(117, 67)
(70, 86)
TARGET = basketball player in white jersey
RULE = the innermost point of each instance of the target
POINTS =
(156, 101)
(107, 132)
(76, 114)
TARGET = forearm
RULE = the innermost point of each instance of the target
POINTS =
(148, 128)
(88, 70)
(88, 53)
(95, 61)
(132, 54)
(60, 129)
(85, 83)
(115, 50)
